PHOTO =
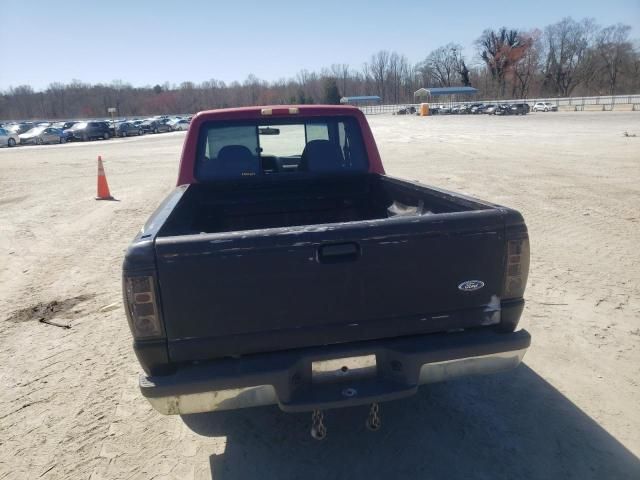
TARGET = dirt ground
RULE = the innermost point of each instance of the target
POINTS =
(69, 404)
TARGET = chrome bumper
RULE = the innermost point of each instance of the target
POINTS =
(258, 395)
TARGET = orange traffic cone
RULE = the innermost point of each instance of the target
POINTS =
(103, 186)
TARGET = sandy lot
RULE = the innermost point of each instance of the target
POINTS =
(69, 405)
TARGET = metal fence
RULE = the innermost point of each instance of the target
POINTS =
(607, 102)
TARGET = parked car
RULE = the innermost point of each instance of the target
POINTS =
(519, 108)
(64, 125)
(88, 131)
(169, 122)
(21, 128)
(490, 109)
(183, 124)
(502, 109)
(545, 107)
(155, 126)
(126, 129)
(476, 108)
(408, 110)
(42, 135)
(8, 138)
(310, 279)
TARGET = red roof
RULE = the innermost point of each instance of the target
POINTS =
(255, 112)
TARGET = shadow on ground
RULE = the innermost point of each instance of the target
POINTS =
(512, 425)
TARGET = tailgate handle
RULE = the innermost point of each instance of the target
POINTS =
(341, 252)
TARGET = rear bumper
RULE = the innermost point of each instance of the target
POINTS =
(285, 378)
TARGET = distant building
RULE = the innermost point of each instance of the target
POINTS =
(361, 101)
(443, 94)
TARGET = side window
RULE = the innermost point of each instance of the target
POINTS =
(352, 145)
(3, 131)
(342, 138)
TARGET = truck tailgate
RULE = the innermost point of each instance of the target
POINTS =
(263, 290)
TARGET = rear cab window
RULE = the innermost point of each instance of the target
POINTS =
(280, 147)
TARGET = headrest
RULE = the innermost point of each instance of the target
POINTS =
(237, 160)
(322, 156)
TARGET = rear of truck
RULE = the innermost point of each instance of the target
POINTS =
(304, 276)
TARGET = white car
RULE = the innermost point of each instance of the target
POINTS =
(8, 138)
(545, 107)
(181, 125)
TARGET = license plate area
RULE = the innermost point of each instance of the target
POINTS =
(343, 369)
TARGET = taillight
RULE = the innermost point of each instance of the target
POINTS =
(517, 268)
(142, 309)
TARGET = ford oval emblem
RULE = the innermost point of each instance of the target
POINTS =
(471, 285)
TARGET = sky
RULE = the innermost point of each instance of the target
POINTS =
(148, 42)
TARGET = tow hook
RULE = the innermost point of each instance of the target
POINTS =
(318, 430)
(373, 422)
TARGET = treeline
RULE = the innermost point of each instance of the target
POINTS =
(568, 58)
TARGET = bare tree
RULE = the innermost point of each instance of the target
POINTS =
(463, 71)
(56, 93)
(614, 51)
(526, 68)
(569, 61)
(442, 64)
(342, 73)
(24, 101)
(632, 70)
(501, 51)
(253, 86)
(377, 70)
(396, 74)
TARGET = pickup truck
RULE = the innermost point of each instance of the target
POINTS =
(287, 268)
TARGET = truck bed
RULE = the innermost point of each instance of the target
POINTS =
(206, 208)
(265, 267)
